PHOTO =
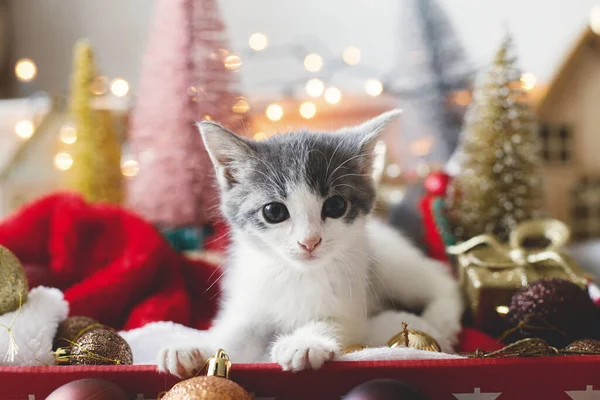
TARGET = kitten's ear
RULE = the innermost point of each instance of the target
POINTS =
(367, 133)
(226, 149)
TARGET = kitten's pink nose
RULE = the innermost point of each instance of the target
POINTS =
(310, 243)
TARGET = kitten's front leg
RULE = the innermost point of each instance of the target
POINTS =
(184, 359)
(308, 347)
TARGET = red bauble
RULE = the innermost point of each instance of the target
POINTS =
(86, 389)
(555, 310)
(384, 389)
(437, 183)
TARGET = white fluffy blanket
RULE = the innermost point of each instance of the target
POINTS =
(33, 328)
(147, 341)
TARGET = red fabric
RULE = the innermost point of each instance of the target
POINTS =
(433, 239)
(112, 265)
(546, 378)
(472, 339)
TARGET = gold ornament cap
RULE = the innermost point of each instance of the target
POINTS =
(354, 348)
(219, 365)
(414, 339)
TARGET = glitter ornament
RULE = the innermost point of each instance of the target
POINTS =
(214, 386)
(354, 348)
(414, 339)
(555, 310)
(583, 346)
(70, 329)
(96, 347)
(13, 282)
(500, 150)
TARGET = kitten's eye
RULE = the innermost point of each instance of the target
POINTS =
(334, 207)
(275, 213)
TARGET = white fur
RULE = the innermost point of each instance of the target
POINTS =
(34, 327)
(300, 309)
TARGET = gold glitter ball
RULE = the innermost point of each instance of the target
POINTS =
(70, 329)
(416, 339)
(13, 282)
(207, 388)
(101, 347)
(584, 346)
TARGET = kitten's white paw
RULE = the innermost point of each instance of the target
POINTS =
(297, 353)
(182, 362)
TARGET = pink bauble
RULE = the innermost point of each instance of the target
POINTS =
(436, 183)
(88, 389)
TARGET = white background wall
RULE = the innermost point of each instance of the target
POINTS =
(45, 31)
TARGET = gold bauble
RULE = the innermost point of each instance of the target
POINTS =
(354, 347)
(100, 347)
(583, 346)
(13, 282)
(416, 339)
(207, 388)
(71, 329)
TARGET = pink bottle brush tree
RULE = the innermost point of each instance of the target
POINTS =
(187, 75)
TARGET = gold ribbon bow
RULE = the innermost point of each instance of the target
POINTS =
(516, 254)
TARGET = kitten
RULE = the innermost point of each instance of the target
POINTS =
(308, 265)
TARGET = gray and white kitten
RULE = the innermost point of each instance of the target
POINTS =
(310, 270)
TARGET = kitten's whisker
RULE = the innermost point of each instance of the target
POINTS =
(331, 159)
(342, 164)
(345, 175)
(217, 280)
(218, 268)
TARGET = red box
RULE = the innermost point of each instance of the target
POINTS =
(543, 378)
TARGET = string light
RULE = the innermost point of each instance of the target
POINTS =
(462, 97)
(308, 109)
(99, 85)
(24, 129)
(119, 87)
(258, 41)
(351, 55)
(25, 70)
(258, 136)
(274, 112)
(313, 62)
(595, 19)
(130, 168)
(233, 62)
(68, 133)
(315, 87)
(241, 106)
(373, 87)
(63, 161)
(393, 170)
(333, 95)
(528, 81)
(207, 118)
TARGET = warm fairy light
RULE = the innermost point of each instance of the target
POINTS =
(68, 133)
(207, 118)
(191, 91)
(258, 41)
(333, 95)
(351, 55)
(315, 87)
(99, 85)
(393, 170)
(421, 147)
(241, 106)
(423, 169)
(63, 161)
(502, 310)
(274, 112)
(119, 87)
(260, 136)
(24, 129)
(595, 19)
(313, 62)
(25, 70)
(233, 62)
(130, 168)
(462, 97)
(373, 87)
(308, 109)
(528, 81)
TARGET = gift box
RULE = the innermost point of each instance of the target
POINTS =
(548, 378)
(491, 272)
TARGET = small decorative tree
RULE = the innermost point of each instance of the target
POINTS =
(185, 78)
(500, 178)
(96, 170)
